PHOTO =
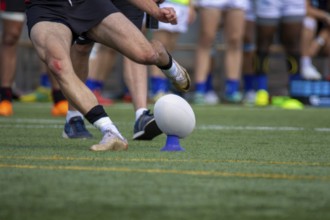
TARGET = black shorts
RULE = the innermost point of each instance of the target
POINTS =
(134, 14)
(12, 5)
(80, 17)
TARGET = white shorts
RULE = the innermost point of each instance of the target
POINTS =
(275, 9)
(250, 13)
(310, 23)
(222, 4)
(182, 12)
(13, 16)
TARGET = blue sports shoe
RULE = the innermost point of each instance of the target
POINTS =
(236, 97)
(145, 127)
(76, 128)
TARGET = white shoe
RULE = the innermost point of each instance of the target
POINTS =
(250, 97)
(182, 80)
(211, 98)
(310, 73)
(111, 142)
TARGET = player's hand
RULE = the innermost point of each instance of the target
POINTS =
(167, 15)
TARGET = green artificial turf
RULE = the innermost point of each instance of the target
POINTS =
(239, 163)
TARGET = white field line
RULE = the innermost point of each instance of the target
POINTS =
(260, 128)
(59, 123)
(29, 123)
(32, 121)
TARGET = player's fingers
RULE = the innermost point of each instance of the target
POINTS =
(170, 15)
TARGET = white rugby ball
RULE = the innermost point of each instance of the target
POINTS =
(174, 116)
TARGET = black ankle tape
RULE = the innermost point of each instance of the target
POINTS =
(57, 96)
(6, 93)
(169, 65)
(95, 114)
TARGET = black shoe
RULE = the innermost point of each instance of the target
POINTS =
(76, 128)
(145, 127)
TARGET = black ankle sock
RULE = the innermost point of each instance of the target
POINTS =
(57, 96)
(95, 114)
(6, 93)
(168, 66)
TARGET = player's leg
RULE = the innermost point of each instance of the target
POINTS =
(11, 31)
(291, 38)
(320, 43)
(168, 35)
(75, 126)
(234, 31)
(308, 33)
(264, 39)
(136, 79)
(60, 104)
(101, 62)
(159, 83)
(209, 23)
(323, 48)
(249, 61)
(268, 14)
(129, 40)
(53, 43)
(291, 32)
(248, 66)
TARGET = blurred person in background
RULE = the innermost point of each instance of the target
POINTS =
(211, 14)
(13, 17)
(209, 96)
(316, 37)
(286, 16)
(249, 60)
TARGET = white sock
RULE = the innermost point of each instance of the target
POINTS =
(139, 112)
(306, 61)
(70, 114)
(172, 71)
(105, 124)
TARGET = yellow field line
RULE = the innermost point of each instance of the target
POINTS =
(164, 171)
(166, 160)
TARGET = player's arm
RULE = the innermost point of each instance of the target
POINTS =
(316, 13)
(166, 15)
